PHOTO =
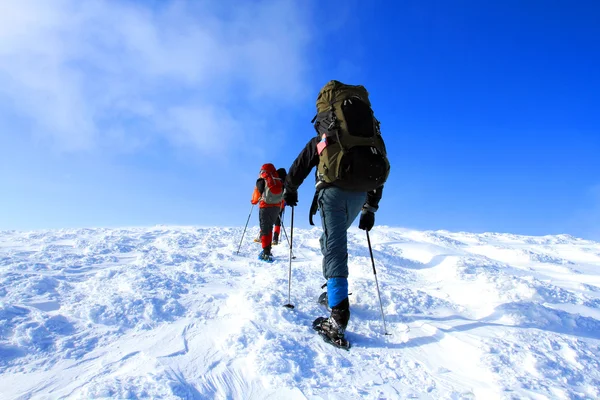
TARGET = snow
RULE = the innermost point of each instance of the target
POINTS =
(174, 312)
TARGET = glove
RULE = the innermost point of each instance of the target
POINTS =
(290, 197)
(367, 220)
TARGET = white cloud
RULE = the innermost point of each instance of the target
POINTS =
(85, 72)
(203, 127)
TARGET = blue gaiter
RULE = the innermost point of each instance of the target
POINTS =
(337, 290)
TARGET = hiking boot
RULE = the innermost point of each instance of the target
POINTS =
(267, 257)
(333, 331)
(335, 326)
(341, 314)
(275, 241)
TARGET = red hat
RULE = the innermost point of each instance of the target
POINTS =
(270, 168)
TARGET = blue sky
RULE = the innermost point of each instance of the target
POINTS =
(140, 113)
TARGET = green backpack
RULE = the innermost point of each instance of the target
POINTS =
(352, 153)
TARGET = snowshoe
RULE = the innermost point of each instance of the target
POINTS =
(257, 240)
(262, 256)
(330, 334)
(275, 242)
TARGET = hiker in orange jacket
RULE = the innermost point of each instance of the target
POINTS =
(268, 194)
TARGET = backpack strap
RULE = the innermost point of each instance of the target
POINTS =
(313, 208)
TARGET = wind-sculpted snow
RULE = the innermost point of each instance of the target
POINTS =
(175, 313)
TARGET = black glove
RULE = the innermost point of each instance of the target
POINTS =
(367, 220)
(290, 197)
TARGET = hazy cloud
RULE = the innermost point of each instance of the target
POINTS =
(89, 74)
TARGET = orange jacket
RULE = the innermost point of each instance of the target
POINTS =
(257, 199)
(255, 196)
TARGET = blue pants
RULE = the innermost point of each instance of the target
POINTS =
(339, 208)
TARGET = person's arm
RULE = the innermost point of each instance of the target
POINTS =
(260, 185)
(302, 165)
(259, 189)
(255, 196)
(373, 198)
(367, 216)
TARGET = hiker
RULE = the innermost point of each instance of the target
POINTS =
(268, 193)
(352, 167)
(277, 230)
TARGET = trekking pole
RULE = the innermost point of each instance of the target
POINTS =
(377, 284)
(288, 239)
(285, 233)
(289, 304)
(281, 218)
(248, 220)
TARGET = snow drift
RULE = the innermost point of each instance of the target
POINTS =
(173, 312)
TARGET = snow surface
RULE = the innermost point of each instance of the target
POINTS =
(173, 312)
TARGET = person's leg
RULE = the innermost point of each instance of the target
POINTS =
(277, 229)
(265, 230)
(339, 209)
(268, 217)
